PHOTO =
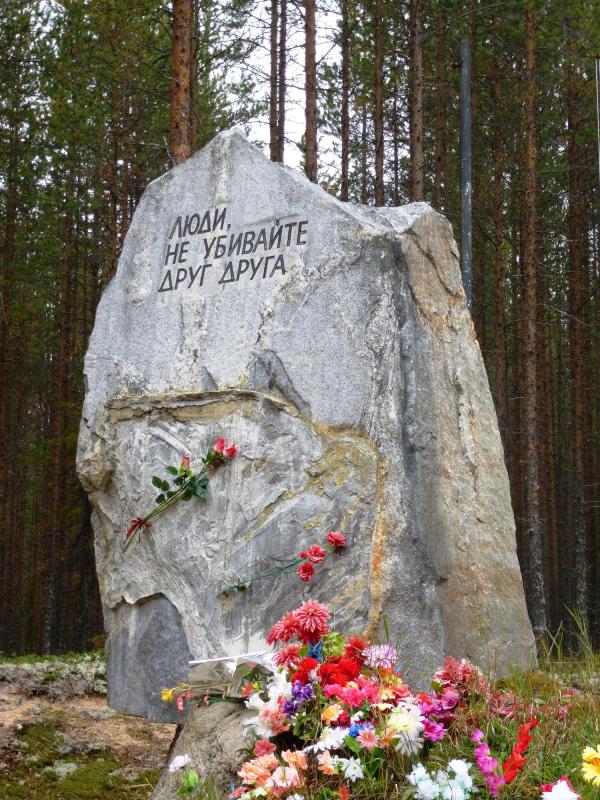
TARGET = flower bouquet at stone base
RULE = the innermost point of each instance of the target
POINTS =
(337, 720)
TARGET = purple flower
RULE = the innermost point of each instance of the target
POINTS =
(302, 692)
(433, 731)
(290, 708)
(383, 656)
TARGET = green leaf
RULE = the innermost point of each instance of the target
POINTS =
(172, 470)
(352, 744)
(156, 481)
(200, 490)
(170, 493)
(160, 499)
(192, 779)
(187, 495)
(178, 481)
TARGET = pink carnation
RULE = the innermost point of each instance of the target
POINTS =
(433, 731)
(288, 656)
(263, 747)
(284, 629)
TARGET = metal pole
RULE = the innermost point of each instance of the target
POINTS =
(466, 251)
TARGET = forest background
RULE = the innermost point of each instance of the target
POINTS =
(98, 97)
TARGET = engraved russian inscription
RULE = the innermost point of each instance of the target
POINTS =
(201, 247)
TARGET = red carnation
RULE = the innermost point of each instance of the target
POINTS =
(305, 571)
(315, 554)
(230, 451)
(355, 648)
(305, 667)
(340, 670)
(336, 539)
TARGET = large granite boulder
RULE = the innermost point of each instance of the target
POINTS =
(333, 344)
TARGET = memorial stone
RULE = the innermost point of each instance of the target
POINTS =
(333, 344)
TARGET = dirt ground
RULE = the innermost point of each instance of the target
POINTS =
(42, 739)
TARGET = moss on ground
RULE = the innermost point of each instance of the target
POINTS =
(66, 658)
(35, 752)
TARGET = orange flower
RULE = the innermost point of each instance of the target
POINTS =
(258, 771)
(295, 758)
(326, 765)
(331, 713)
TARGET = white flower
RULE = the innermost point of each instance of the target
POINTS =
(255, 702)
(428, 789)
(560, 791)
(353, 769)
(461, 770)
(295, 797)
(443, 787)
(406, 723)
(279, 687)
(331, 739)
(357, 717)
(179, 762)
(418, 774)
(453, 790)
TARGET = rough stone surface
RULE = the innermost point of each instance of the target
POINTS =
(349, 374)
(213, 738)
(147, 634)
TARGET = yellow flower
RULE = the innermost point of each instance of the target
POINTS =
(167, 695)
(591, 765)
(331, 713)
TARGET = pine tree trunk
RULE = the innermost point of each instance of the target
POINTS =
(310, 22)
(416, 182)
(577, 236)
(378, 103)
(441, 111)
(180, 95)
(345, 157)
(274, 94)
(282, 81)
(193, 133)
(364, 188)
(8, 257)
(534, 529)
(499, 344)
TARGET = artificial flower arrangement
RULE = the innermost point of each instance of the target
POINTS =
(186, 484)
(303, 565)
(336, 720)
